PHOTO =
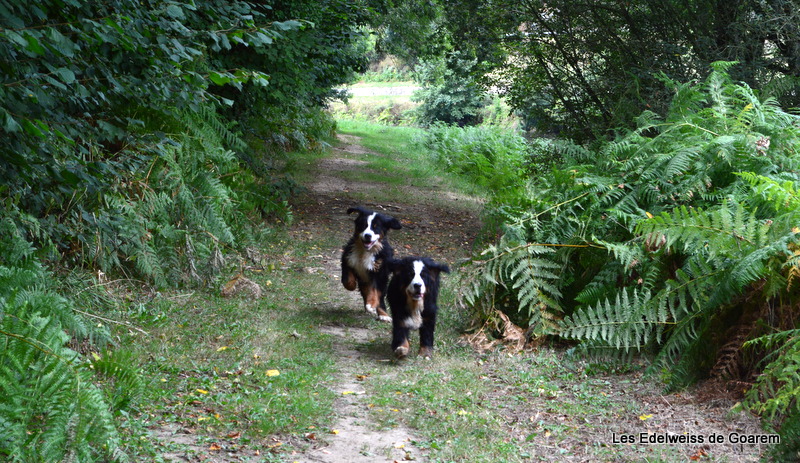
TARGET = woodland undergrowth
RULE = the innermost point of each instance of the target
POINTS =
(678, 241)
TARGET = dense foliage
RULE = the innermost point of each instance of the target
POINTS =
(678, 239)
(103, 102)
(52, 409)
(138, 140)
(493, 158)
(584, 68)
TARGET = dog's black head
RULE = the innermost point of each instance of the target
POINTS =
(371, 226)
(417, 276)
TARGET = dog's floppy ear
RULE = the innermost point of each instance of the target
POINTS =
(395, 265)
(394, 223)
(358, 209)
(437, 267)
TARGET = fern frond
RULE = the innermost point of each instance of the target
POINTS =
(777, 389)
(629, 323)
(782, 195)
(720, 231)
(526, 270)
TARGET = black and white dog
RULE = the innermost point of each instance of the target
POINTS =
(412, 295)
(365, 259)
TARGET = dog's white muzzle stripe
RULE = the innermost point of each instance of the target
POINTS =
(373, 237)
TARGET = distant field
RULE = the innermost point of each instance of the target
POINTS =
(405, 90)
(385, 102)
(408, 83)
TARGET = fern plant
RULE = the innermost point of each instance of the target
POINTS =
(776, 390)
(670, 240)
(50, 406)
(491, 157)
(171, 221)
(724, 252)
(512, 274)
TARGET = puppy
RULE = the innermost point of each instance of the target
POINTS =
(365, 257)
(412, 295)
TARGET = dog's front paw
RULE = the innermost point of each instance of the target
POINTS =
(401, 352)
(370, 309)
(426, 352)
(381, 315)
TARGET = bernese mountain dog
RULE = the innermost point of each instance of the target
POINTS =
(412, 295)
(365, 257)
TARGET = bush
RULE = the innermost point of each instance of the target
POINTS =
(117, 157)
(448, 94)
(495, 159)
(386, 74)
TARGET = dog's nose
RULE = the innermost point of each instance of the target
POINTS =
(367, 237)
(417, 287)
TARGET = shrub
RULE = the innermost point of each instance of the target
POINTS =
(448, 94)
(495, 159)
(117, 157)
(386, 74)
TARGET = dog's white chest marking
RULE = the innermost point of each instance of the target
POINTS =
(415, 307)
(363, 261)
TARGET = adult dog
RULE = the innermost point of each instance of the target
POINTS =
(412, 294)
(365, 257)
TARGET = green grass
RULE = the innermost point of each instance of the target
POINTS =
(210, 363)
(405, 160)
(383, 109)
(388, 140)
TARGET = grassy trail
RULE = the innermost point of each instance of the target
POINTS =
(302, 374)
(436, 222)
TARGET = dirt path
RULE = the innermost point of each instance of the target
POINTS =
(324, 211)
(355, 440)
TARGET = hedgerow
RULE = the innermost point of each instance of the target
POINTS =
(134, 145)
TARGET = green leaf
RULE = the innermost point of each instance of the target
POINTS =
(175, 11)
(115, 25)
(20, 40)
(219, 79)
(9, 124)
(287, 25)
(70, 177)
(66, 75)
(29, 127)
(261, 79)
(34, 45)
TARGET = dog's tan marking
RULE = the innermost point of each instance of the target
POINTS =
(350, 283)
(425, 352)
(402, 350)
(372, 297)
